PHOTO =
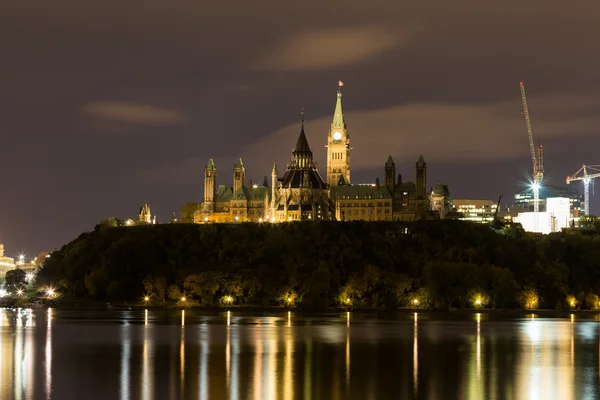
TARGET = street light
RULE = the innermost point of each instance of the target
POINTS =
(19, 292)
(51, 292)
(183, 299)
(415, 302)
(146, 298)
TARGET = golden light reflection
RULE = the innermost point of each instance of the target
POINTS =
(258, 355)
(28, 366)
(416, 357)
(234, 375)
(348, 318)
(2, 363)
(289, 321)
(288, 374)
(182, 317)
(145, 317)
(182, 363)
(18, 360)
(271, 376)
(478, 346)
(48, 354)
(228, 318)
(347, 359)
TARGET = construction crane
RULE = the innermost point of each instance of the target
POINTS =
(586, 173)
(537, 156)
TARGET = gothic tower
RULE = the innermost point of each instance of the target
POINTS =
(210, 177)
(421, 168)
(239, 176)
(390, 175)
(338, 146)
(274, 187)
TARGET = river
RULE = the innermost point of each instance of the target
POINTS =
(155, 354)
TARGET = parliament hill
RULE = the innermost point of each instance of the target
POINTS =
(300, 193)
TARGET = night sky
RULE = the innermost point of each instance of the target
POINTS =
(106, 104)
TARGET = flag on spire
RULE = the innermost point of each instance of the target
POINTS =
(340, 83)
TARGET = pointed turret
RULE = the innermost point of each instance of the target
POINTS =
(274, 170)
(389, 162)
(239, 175)
(338, 114)
(421, 183)
(390, 175)
(210, 178)
(302, 156)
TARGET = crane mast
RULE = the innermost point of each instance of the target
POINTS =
(586, 173)
(537, 157)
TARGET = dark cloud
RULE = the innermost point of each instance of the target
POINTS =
(133, 113)
(227, 79)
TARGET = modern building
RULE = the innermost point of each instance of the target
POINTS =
(301, 194)
(556, 217)
(481, 211)
(524, 199)
(6, 263)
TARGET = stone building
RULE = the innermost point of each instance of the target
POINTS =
(393, 201)
(301, 194)
(6, 263)
(236, 203)
(441, 200)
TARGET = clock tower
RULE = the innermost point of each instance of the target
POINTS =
(338, 146)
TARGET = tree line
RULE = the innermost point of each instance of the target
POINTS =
(440, 264)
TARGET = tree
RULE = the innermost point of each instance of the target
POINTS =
(188, 210)
(15, 279)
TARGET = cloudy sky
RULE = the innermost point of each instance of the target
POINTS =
(105, 104)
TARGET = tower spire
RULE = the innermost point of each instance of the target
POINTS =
(302, 117)
(338, 115)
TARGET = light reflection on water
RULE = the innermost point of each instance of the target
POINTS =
(54, 354)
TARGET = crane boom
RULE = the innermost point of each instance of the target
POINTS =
(529, 132)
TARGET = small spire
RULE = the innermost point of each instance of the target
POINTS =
(302, 116)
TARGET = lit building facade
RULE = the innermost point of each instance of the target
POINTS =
(440, 200)
(524, 199)
(556, 217)
(481, 211)
(6, 263)
(301, 194)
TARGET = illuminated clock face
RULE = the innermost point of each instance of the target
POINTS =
(337, 136)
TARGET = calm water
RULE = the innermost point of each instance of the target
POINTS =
(57, 354)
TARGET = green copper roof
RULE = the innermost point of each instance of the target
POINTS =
(211, 164)
(239, 164)
(338, 115)
(421, 161)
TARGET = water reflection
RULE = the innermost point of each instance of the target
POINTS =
(147, 364)
(49, 355)
(125, 360)
(143, 354)
(416, 356)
